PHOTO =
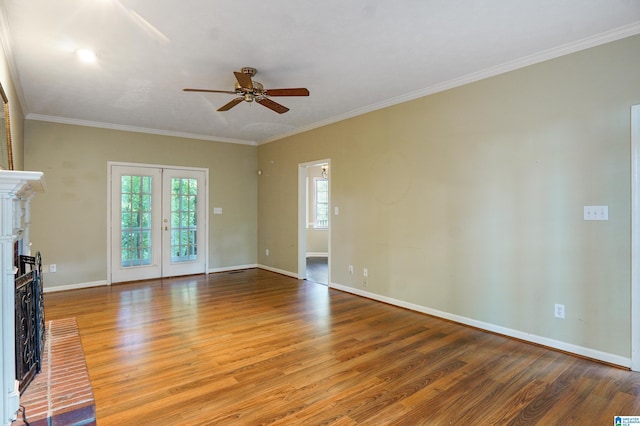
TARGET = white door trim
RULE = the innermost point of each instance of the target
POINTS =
(635, 237)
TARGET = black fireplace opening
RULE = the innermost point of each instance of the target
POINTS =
(29, 319)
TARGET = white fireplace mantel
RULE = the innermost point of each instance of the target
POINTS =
(16, 191)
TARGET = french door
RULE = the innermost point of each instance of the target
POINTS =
(158, 222)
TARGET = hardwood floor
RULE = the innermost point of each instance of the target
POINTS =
(254, 347)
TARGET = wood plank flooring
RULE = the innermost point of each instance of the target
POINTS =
(254, 347)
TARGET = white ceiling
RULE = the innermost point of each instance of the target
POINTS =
(354, 56)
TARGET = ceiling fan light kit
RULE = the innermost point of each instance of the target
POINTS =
(248, 90)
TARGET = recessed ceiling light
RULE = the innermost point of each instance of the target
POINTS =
(86, 55)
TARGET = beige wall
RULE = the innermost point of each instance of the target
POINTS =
(70, 218)
(470, 201)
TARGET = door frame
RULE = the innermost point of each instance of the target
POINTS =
(110, 164)
(635, 237)
(302, 218)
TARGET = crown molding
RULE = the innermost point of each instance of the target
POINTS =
(111, 126)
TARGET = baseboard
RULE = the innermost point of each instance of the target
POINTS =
(317, 254)
(74, 286)
(516, 334)
(231, 268)
(279, 271)
(101, 283)
(259, 266)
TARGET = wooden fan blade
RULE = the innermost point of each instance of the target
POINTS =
(300, 91)
(244, 80)
(229, 105)
(210, 91)
(280, 109)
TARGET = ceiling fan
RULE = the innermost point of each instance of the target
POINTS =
(249, 90)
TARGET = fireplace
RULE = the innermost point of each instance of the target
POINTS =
(29, 321)
(17, 188)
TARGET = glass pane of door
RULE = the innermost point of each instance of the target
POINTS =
(136, 240)
(184, 223)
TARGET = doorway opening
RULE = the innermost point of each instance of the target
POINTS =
(314, 235)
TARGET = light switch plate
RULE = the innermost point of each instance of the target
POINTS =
(596, 212)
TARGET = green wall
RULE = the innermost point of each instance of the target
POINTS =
(470, 201)
(70, 217)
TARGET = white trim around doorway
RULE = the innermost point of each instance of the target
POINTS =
(635, 237)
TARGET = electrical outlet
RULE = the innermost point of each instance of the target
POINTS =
(365, 272)
(266, 252)
(351, 269)
(559, 311)
(596, 212)
(53, 267)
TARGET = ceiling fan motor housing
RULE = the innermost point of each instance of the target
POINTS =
(249, 71)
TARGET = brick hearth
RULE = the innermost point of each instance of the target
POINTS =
(61, 394)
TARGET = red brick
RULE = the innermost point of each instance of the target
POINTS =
(61, 394)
